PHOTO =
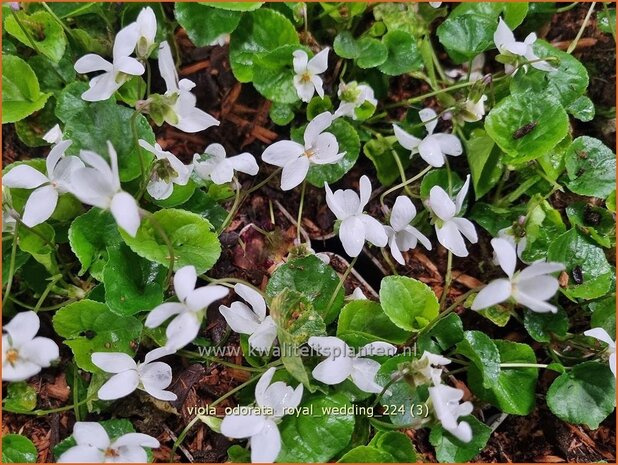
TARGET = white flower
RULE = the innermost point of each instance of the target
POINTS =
(445, 400)
(114, 74)
(321, 148)
(401, 236)
(474, 111)
(23, 354)
(306, 79)
(146, 31)
(260, 423)
(357, 294)
(425, 368)
(531, 287)
(601, 335)
(93, 445)
(251, 319)
(54, 135)
(434, 147)
(342, 362)
(98, 184)
(517, 241)
(435, 4)
(43, 200)
(352, 96)
(507, 45)
(219, 168)
(356, 227)
(476, 70)
(170, 171)
(189, 311)
(150, 376)
(450, 227)
(183, 113)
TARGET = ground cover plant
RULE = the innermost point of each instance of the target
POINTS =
(308, 232)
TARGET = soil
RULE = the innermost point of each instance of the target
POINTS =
(250, 253)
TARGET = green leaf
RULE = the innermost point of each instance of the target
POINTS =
(485, 160)
(89, 236)
(39, 242)
(132, 284)
(206, 205)
(526, 126)
(259, 31)
(318, 437)
(69, 101)
(443, 335)
(204, 24)
(273, 74)
(541, 326)
(584, 395)
(604, 314)
(493, 218)
(191, 238)
(514, 390)
(594, 273)
(483, 353)
(449, 449)
(234, 6)
(113, 124)
(595, 222)
(349, 143)
(409, 303)
(403, 54)
(367, 454)
(364, 321)
(20, 397)
(281, 114)
(466, 36)
(382, 152)
(318, 105)
(346, 46)
(21, 95)
(18, 449)
(90, 326)
(591, 167)
(313, 279)
(543, 225)
(606, 21)
(513, 13)
(440, 177)
(42, 28)
(395, 443)
(372, 53)
(582, 108)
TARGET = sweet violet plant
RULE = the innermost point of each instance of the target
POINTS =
(160, 279)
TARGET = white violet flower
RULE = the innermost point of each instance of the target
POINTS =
(114, 74)
(183, 113)
(320, 148)
(53, 136)
(445, 401)
(169, 171)
(216, 166)
(259, 423)
(476, 70)
(357, 294)
(352, 96)
(98, 184)
(507, 45)
(450, 227)
(356, 227)
(427, 369)
(251, 319)
(401, 236)
(306, 79)
(23, 353)
(43, 200)
(518, 241)
(146, 31)
(433, 148)
(474, 111)
(602, 335)
(93, 445)
(531, 287)
(342, 362)
(150, 376)
(189, 311)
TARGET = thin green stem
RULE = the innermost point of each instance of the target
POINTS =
(402, 172)
(264, 182)
(388, 260)
(523, 365)
(142, 168)
(568, 7)
(230, 281)
(581, 29)
(40, 412)
(218, 361)
(299, 218)
(59, 21)
(41, 309)
(447, 278)
(403, 184)
(9, 283)
(341, 282)
(234, 209)
(46, 292)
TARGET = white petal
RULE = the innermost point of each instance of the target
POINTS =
(182, 330)
(319, 63)
(40, 350)
(450, 237)
(411, 230)
(113, 362)
(20, 371)
(40, 205)
(540, 287)
(601, 335)
(130, 454)
(431, 152)
(54, 156)
(540, 268)
(364, 372)
(240, 318)
(378, 348)
(155, 377)
(333, 371)
(125, 211)
(167, 68)
(449, 144)
(395, 251)
(156, 354)
(326, 150)
(318, 84)
(365, 192)
(253, 298)
(119, 385)
(406, 140)
(328, 345)
(242, 426)
(494, 293)
(125, 42)
(204, 296)
(403, 212)
(441, 204)
(162, 312)
(87, 433)
(337, 204)
(264, 336)
(315, 127)
(503, 36)
(536, 305)
(22, 328)
(294, 173)
(612, 363)
(101, 88)
(195, 120)
(461, 195)
(147, 24)
(245, 163)
(24, 177)
(466, 227)
(374, 231)
(282, 152)
(135, 439)
(82, 454)
(261, 388)
(266, 445)
(184, 281)
(131, 66)
(91, 62)
(160, 190)
(300, 61)
(505, 254)
(352, 235)
(304, 90)
(430, 118)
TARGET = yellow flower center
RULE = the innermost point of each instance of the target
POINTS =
(305, 77)
(111, 453)
(11, 356)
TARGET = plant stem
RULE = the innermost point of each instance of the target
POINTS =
(230, 280)
(142, 168)
(42, 309)
(234, 209)
(450, 309)
(9, 282)
(447, 278)
(523, 365)
(299, 218)
(264, 182)
(218, 361)
(59, 21)
(568, 7)
(40, 413)
(581, 29)
(46, 292)
(403, 184)
(341, 282)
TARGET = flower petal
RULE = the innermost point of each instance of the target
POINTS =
(441, 204)
(182, 330)
(155, 377)
(92, 62)
(184, 281)
(503, 36)
(136, 439)
(82, 454)
(374, 231)
(494, 293)
(407, 141)
(40, 205)
(294, 173)
(282, 152)
(352, 235)
(450, 237)
(326, 150)
(316, 126)
(505, 254)
(466, 227)
(204, 296)
(242, 426)
(365, 192)
(253, 298)
(167, 68)
(264, 336)
(119, 385)
(364, 372)
(89, 433)
(304, 90)
(449, 144)
(22, 328)
(534, 304)
(540, 268)
(24, 177)
(113, 362)
(430, 118)
(430, 151)
(245, 163)
(240, 318)
(395, 251)
(461, 195)
(266, 445)
(601, 335)
(40, 350)
(162, 312)
(125, 211)
(300, 61)
(319, 63)
(403, 212)
(540, 287)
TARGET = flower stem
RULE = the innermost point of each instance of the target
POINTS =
(264, 182)
(573, 45)
(46, 292)
(299, 218)
(40, 413)
(447, 278)
(9, 282)
(230, 282)
(234, 209)
(142, 167)
(218, 361)
(403, 184)
(59, 21)
(341, 283)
